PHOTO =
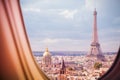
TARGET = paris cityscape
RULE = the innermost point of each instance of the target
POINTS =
(83, 67)
(73, 65)
(75, 40)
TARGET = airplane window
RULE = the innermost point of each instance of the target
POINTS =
(73, 40)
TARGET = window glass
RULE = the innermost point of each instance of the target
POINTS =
(73, 39)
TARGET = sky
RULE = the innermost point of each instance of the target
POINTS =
(66, 25)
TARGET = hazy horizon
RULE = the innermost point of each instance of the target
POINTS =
(73, 51)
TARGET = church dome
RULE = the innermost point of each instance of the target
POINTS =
(47, 57)
(46, 53)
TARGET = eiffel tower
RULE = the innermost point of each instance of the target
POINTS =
(95, 49)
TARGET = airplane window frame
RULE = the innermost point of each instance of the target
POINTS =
(112, 74)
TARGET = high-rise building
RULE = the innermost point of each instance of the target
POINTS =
(95, 49)
(46, 58)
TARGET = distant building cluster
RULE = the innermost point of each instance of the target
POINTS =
(73, 67)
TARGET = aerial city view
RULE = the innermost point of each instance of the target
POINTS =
(74, 67)
(77, 67)
(73, 40)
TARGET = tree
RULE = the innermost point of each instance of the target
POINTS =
(97, 65)
(70, 68)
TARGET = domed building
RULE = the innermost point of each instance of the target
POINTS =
(46, 58)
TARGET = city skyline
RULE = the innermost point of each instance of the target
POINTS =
(67, 26)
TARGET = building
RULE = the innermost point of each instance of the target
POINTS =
(47, 61)
(62, 73)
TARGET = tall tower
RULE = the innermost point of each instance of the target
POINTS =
(62, 75)
(63, 67)
(95, 49)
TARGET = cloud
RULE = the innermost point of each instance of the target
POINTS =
(49, 41)
(69, 14)
(60, 40)
(61, 44)
(89, 4)
(106, 46)
(67, 25)
(118, 31)
(116, 20)
(31, 9)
